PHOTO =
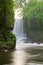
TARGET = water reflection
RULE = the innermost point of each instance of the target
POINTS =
(5, 58)
(23, 56)
(19, 57)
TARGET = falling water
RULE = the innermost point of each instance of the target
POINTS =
(18, 27)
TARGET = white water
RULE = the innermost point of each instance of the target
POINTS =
(18, 27)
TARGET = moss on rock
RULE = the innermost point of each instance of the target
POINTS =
(7, 41)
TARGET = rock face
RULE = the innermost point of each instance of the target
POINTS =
(4, 45)
(7, 39)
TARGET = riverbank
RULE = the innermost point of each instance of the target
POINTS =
(36, 36)
(7, 41)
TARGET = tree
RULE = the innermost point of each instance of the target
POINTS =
(33, 20)
(34, 14)
(6, 14)
(20, 3)
(2, 13)
(9, 14)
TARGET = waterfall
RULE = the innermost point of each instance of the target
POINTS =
(18, 31)
(18, 27)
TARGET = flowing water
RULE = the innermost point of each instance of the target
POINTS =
(18, 27)
(25, 53)
(18, 30)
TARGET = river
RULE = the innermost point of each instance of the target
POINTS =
(23, 55)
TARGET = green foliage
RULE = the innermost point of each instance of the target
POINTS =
(34, 15)
(7, 36)
(9, 13)
(7, 39)
(2, 13)
(6, 14)
(19, 3)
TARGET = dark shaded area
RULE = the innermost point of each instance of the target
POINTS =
(5, 57)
